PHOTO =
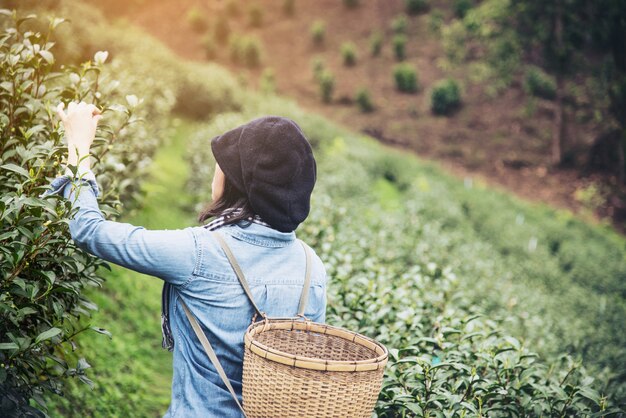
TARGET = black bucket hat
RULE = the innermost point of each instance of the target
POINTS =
(270, 160)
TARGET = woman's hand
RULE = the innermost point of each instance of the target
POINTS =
(80, 122)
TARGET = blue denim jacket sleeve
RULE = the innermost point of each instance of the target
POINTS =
(167, 254)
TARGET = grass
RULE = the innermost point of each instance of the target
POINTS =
(132, 373)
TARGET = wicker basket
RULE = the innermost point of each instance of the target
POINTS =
(295, 368)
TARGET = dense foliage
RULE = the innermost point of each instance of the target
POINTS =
(43, 273)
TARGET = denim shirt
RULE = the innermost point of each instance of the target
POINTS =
(273, 263)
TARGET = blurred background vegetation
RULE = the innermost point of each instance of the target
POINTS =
(490, 304)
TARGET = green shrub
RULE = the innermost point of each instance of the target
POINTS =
(318, 32)
(221, 30)
(416, 6)
(351, 4)
(245, 50)
(317, 67)
(399, 47)
(364, 100)
(255, 16)
(267, 84)
(400, 24)
(197, 20)
(435, 21)
(461, 7)
(406, 78)
(348, 53)
(538, 83)
(376, 43)
(209, 46)
(289, 7)
(445, 97)
(232, 8)
(43, 273)
(327, 85)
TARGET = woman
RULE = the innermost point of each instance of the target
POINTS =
(264, 175)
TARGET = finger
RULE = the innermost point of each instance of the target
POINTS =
(60, 112)
(71, 106)
(94, 109)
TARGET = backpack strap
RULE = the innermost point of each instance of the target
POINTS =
(211, 353)
(307, 282)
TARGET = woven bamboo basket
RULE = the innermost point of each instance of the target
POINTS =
(295, 368)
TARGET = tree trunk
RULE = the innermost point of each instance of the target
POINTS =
(558, 131)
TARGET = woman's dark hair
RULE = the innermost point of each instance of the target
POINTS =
(230, 199)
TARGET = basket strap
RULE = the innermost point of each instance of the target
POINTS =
(211, 353)
(238, 272)
(307, 281)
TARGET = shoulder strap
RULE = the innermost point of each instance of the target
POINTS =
(244, 283)
(307, 281)
(237, 269)
(211, 353)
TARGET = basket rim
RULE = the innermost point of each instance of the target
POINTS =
(298, 361)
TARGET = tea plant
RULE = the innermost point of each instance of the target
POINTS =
(399, 47)
(348, 53)
(539, 84)
(326, 83)
(400, 24)
(416, 6)
(376, 43)
(364, 100)
(43, 273)
(245, 50)
(445, 97)
(318, 32)
(405, 77)
(197, 20)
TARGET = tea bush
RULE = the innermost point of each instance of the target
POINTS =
(400, 24)
(318, 32)
(461, 7)
(445, 97)
(348, 53)
(245, 50)
(317, 67)
(399, 47)
(376, 43)
(364, 100)
(326, 83)
(405, 77)
(416, 6)
(435, 21)
(43, 272)
(197, 20)
(538, 83)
